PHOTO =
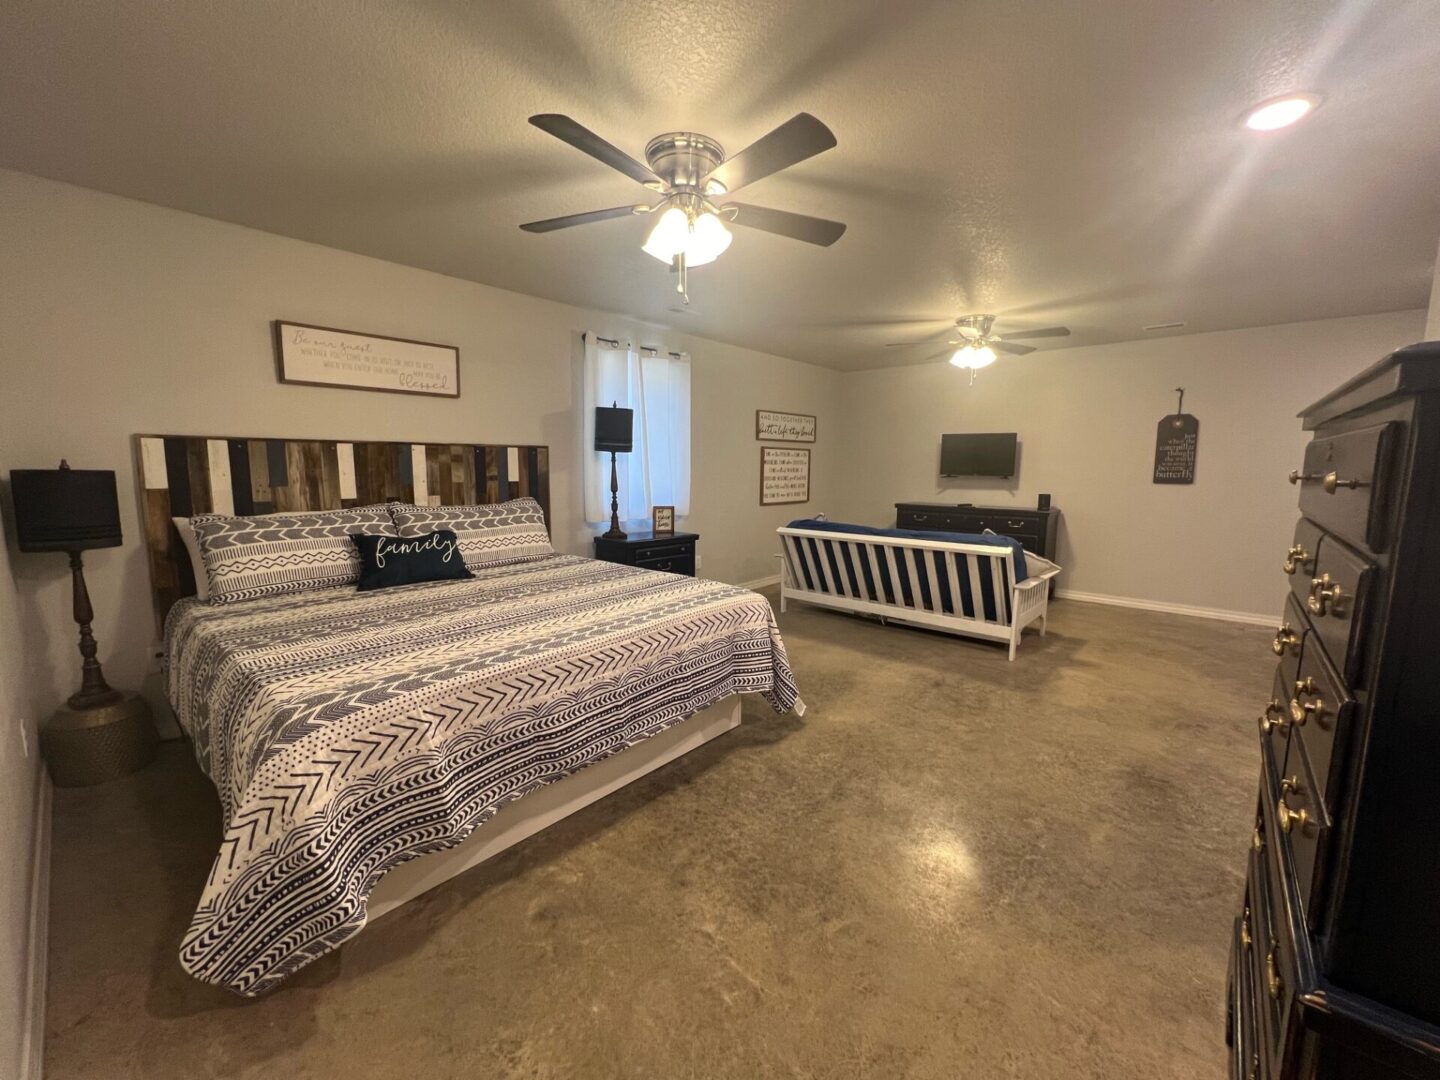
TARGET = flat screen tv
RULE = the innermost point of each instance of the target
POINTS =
(978, 455)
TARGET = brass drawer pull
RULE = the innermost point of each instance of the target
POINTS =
(1245, 938)
(1326, 597)
(1289, 819)
(1300, 711)
(1333, 483)
(1289, 784)
(1274, 983)
(1273, 718)
(1285, 640)
(1297, 558)
(1297, 477)
(1257, 841)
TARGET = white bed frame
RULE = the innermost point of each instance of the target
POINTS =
(1028, 599)
(544, 807)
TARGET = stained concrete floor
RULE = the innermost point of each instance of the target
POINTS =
(952, 867)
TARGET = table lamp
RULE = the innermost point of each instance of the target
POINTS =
(614, 430)
(100, 733)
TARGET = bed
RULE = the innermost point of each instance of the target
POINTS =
(349, 733)
(366, 746)
(976, 586)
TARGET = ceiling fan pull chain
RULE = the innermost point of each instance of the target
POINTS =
(682, 280)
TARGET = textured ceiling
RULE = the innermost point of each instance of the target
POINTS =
(1079, 163)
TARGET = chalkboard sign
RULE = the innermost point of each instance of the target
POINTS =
(1176, 438)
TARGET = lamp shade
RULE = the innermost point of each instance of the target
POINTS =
(614, 429)
(65, 509)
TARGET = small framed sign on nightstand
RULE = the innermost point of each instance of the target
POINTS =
(662, 520)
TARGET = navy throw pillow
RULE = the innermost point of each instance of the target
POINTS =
(395, 560)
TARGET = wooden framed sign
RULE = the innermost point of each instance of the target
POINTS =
(324, 356)
(662, 521)
(784, 476)
(771, 426)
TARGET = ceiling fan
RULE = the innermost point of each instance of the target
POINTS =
(976, 346)
(690, 171)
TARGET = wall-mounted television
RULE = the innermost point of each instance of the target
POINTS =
(990, 454)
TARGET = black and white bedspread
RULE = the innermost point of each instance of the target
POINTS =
(349, 732)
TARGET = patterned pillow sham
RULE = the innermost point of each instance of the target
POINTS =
(489, 535)
(290, 552)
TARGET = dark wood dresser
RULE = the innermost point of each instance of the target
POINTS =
(675, 554)
(1035, 529)
(1335, 962)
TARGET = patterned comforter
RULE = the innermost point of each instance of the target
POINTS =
(349, 732)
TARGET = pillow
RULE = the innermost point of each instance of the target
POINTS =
(192, 548)
(386, 561)
(488, 535)
(276, 554)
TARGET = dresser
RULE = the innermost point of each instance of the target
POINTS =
(1035, 529)
(674, 554)
(1335, 957)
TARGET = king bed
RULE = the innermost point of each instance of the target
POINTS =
(348, 733)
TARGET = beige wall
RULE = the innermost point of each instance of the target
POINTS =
(1086, 419)
(124, 318)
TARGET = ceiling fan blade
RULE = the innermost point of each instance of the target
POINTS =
(931, 339)
(551, 224)
(939, 356)
(1049, 331)
(800, 137)
(1016, 350)
(586, 141)
(812, 230)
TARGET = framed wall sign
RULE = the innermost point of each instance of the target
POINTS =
(784, 476)
(1177, 438)
(771, 426)
(324, 356)
(662, 520)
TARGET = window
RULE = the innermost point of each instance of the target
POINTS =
(657, 470)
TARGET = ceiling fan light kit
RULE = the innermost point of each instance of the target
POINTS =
(977, 347)
(689, 170)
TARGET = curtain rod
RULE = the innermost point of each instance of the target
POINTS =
(651, 349)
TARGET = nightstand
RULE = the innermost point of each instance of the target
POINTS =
(675, 554)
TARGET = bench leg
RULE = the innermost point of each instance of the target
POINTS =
(1014, 640)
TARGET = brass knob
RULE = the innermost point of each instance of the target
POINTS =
(1289, 784)
(1285, 640)
(1289, 819)
(1296, 476)
(1272, 973)
(1257, 841)
(1332, 483)
(1325, 596)
(1296, 558)
(1273, 718)
(1245, 939)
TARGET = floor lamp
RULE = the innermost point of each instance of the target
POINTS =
(614, 432)
(100, 733)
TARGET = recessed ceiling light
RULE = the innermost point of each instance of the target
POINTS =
(1281, 112)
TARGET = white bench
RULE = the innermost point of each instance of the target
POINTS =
(980, 590)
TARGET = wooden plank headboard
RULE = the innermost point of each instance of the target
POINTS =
(184, 475)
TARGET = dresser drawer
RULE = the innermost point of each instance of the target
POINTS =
(1273, 991)
(1321, 710)
(1336, 599)
(1297, 831)
(1275, 718)
(921, 519)
(663, 549)
(1300, 561)
(1243, 1035)
(1290, 634)
(1343, 483)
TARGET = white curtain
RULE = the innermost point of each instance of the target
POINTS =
(657, 471)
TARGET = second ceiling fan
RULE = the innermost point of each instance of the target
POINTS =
(975, 346)
(690, 172)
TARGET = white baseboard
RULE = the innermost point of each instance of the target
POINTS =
(1248, 617)
(760, 583)
(32, 1039)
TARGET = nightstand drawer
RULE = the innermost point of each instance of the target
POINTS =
(671, 563)
(664, 549)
